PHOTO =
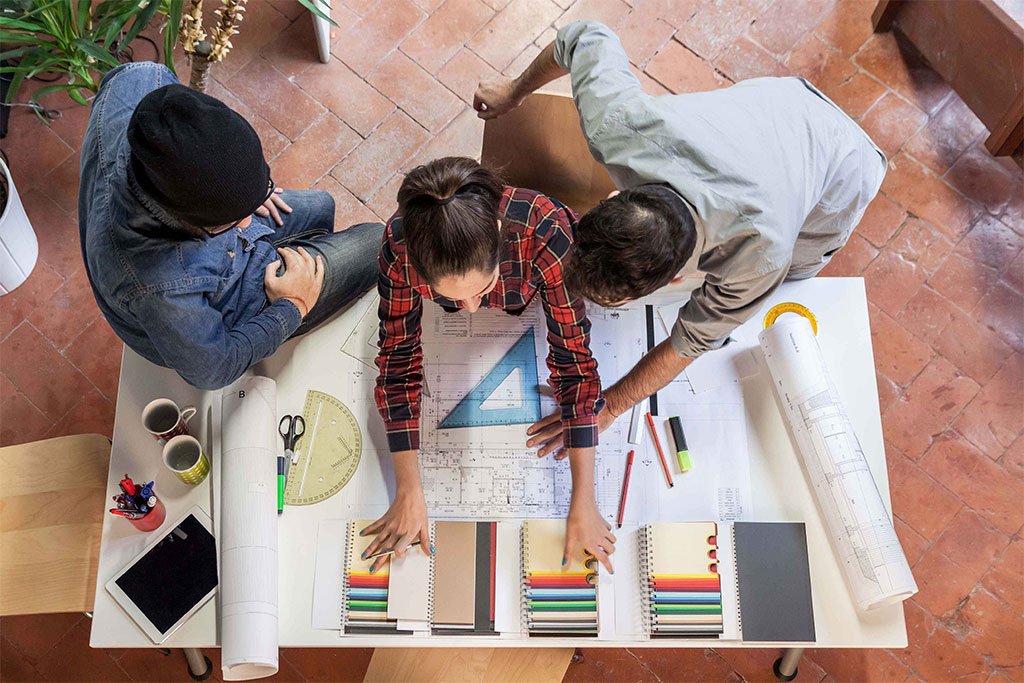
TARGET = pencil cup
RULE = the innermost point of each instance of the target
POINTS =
(164, 419)
(152, 519)
(184, 456)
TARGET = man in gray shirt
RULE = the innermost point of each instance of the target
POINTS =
(750, 185)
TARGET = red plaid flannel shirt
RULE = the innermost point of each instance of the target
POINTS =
(539, 233)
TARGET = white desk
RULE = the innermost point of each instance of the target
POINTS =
(780, 488)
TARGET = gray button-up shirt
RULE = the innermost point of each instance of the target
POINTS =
(775, 174)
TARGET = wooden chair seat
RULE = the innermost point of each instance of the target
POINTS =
(52, 500)
(540, 146)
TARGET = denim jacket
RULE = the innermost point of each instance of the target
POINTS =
(197, 306)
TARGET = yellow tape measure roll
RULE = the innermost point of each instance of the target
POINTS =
(790, 307)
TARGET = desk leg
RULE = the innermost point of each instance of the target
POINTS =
(785, 666)
(199, 666)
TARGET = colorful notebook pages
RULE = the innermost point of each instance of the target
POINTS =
(682, 590)
(366, 594)
(557, 600)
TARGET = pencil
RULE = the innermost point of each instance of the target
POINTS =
(625, 488)
(391, 552)
(661, 451)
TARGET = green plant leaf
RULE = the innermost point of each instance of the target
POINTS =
(83, 15)
(173, 11)
(20, 24)
(313, 7)
(16, 52)
(74, 94)
(96, 52)
(142, 20)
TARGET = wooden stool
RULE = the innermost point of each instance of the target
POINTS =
(52, 500)
(472, 665)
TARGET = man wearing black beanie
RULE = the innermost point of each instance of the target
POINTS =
(197, 261)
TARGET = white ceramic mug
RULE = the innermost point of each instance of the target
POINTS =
(164, 420)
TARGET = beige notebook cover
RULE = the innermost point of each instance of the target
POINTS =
(544, 545)
(681, 547)
(358, 544)
(454, 569)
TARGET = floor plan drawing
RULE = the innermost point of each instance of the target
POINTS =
(865, 541)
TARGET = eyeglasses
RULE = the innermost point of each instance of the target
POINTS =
(216, 231)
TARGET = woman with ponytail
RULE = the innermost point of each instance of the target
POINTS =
(464, 240)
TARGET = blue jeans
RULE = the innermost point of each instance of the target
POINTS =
(350, 256)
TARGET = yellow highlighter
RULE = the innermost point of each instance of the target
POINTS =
(682, 453)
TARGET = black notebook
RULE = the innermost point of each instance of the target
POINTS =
(773, 582)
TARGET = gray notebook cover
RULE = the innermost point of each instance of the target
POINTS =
(774, 582)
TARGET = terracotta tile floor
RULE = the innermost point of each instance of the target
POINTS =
(941, 249)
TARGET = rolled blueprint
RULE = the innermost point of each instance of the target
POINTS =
(248, 530)
(857, 523)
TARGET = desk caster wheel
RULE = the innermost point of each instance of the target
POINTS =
(776, 667)
(192, 656)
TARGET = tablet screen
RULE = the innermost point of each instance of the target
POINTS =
(174, 575)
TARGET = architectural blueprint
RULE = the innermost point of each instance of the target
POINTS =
(865, 542)
(484, 467)
(485, 382)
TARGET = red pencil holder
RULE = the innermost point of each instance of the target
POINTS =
(153, 519)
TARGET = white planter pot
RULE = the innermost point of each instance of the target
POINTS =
(18, 246)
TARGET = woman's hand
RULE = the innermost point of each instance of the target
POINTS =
(404, 522)
(587, 530)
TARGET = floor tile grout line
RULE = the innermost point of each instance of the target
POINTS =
(17, 648)
(56, 421)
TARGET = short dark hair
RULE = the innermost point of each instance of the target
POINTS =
(630, 245)
(449, 210)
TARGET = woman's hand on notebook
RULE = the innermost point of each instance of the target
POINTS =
(587, 531)
(406, 520)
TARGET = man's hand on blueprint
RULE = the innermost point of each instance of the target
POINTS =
(406, 520)
(548, 433)
(586, 530)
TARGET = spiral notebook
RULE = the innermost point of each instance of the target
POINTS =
(365, 603)
(557, 600)
(682, 590)
(451, 592)
(747, 580)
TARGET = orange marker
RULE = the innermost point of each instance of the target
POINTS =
(661, 452)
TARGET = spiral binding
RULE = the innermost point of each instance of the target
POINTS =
(643, 549)
(524, 606)
(349, 540)
(735, 580)
(430, 579)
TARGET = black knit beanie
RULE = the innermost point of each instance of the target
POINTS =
(199, 159)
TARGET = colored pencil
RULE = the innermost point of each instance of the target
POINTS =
(661, 451)
(625, 488)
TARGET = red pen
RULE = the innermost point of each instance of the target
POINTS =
(661, 452)
(625, 488)
(129, 485)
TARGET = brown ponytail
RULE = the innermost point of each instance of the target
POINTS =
(449, 210)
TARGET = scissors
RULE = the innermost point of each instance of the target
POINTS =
(296, 427)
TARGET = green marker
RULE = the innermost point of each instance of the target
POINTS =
(281, 476)
(682, 453)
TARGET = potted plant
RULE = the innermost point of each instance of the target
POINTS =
(79, 41)
(18, 246)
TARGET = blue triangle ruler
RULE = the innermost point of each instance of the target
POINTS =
(469, 412)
